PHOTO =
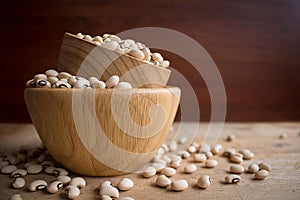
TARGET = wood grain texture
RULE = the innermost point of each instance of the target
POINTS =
(255, 45)
(261, 138)
(87, 59)
(102, 132)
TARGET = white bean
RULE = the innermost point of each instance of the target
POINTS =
(236, 169)
(34, 169)
(72, 191)
(62, 75)
(112, 45)
(8, 169)
(261, 174)
(37, 185)
(204, 182)
(88, 38)
(217, 149)
(149, 172)
(163, 181)
(81, 83)
(40, 77)
(236, 158)
(61, 84)
(179, 185)
(64, 179)
(157, 57)
(19, 183)
(109, 191)
(78, 182)
(51, 72)
(233, 178)
(147, 53)
(199, 157)
(252, 168)
(189, 169)
(54, 186)
(52, 79)
(112, 81)
(19, 173)
(80, 35)
(106, 197)
(137, 53)
(211, 163)
(126, 198)
(123, 85)
(165, 63)
(192, 149)
(265, 166)
(173, 146)
(247, 154)
(125, 184)
(158, 166)
(43, 84)
(98, 39)
(204, 148)
(168, 171)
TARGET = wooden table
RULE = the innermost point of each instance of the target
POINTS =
(260, 138)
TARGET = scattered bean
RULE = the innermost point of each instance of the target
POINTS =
(265, 166)
(179, 185)
(149, 172)
(78, 182)
(19, 183)
(64, 179)
(211, 163)
(37, 185)
(109, 191)
(163, 181)
(34, 169)
(261, 174)
(72, 191)
(54, 186)
(283, 136)
(217, 149)
(8, 169)
(189, 169)
(199, 157)
(236, 169)
(125, 184)
(252, 168)
(204, 182)
(233, 178)
(19, 173)
(158, 166)
(168, 171)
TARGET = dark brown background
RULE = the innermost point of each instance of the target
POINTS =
(255, 45)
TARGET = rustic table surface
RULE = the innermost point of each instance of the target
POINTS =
(261, 138)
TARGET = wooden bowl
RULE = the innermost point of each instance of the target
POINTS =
(102, 132)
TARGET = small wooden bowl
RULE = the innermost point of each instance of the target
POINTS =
(99, 132)
(86, 59)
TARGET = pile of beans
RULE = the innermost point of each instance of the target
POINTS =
(127, 46)
(167, 161)
(63, 80)
(28, 161)
(165, 165)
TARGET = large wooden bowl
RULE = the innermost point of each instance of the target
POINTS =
(102, 132)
